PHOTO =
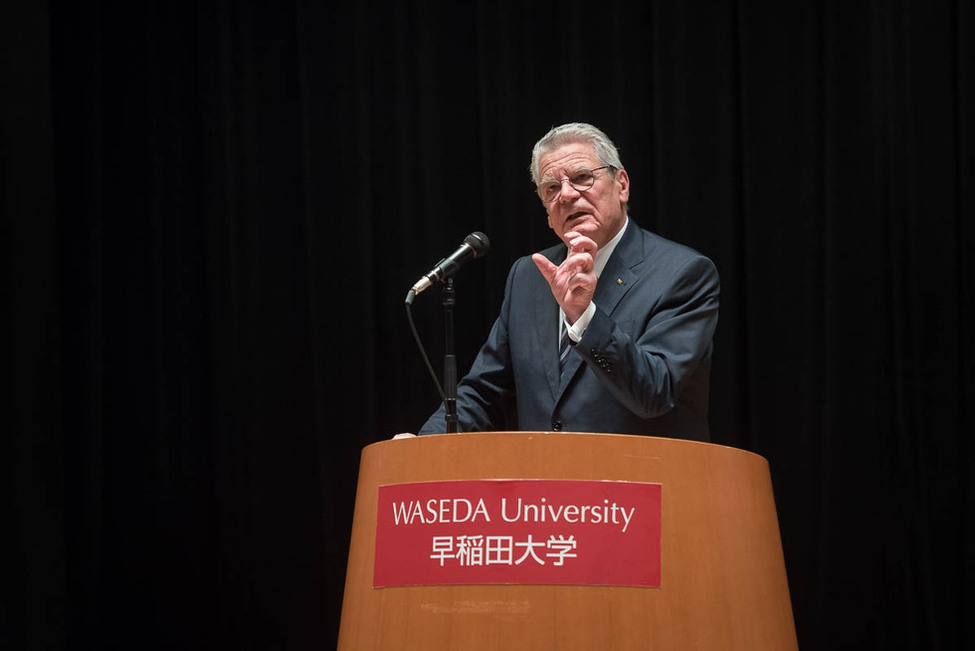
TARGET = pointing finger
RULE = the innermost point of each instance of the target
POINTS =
(545, 266)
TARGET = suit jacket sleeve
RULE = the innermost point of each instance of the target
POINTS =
(648, 367)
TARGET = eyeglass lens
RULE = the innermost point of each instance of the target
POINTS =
(581, 180)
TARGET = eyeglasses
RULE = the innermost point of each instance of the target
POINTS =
(581, 180)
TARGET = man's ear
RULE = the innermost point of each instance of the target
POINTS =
(624, 180)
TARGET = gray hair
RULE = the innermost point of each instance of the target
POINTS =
(575, 132)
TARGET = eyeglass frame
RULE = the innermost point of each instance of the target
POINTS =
(564, 179)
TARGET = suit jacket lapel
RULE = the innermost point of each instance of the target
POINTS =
(547, 332)
(619, 275)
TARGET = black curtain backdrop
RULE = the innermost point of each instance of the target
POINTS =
(212, 212)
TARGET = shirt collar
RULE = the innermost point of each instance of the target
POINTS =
(602, 255)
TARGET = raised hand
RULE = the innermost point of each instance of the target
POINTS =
(572, 282)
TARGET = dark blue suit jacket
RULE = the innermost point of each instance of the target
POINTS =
(642, 366)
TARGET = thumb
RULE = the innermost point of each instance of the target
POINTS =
(545, 266)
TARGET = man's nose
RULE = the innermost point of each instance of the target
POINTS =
(568, 187)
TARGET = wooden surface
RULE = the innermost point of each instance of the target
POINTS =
(723, 574)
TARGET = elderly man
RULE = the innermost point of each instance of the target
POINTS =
(610, 331)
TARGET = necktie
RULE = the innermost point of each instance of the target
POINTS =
(565, 345)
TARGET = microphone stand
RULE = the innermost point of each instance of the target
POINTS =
(449, 361)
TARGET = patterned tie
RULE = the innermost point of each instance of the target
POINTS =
(565, 345)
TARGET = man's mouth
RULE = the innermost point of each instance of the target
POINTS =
(575, 215)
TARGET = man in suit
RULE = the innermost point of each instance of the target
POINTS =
(610, 331)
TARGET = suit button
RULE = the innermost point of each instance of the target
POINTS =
(556, 426)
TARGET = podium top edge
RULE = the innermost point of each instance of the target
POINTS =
(531, 434)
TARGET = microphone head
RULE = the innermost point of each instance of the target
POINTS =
(478, 242)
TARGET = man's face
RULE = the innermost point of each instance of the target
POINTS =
(598, 212)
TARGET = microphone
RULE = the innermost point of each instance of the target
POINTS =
(475, 245)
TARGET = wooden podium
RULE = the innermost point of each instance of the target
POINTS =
(723, 580)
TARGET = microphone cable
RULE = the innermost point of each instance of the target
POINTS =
(419, 343)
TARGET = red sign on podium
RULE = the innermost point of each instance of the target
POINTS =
(526, 531)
